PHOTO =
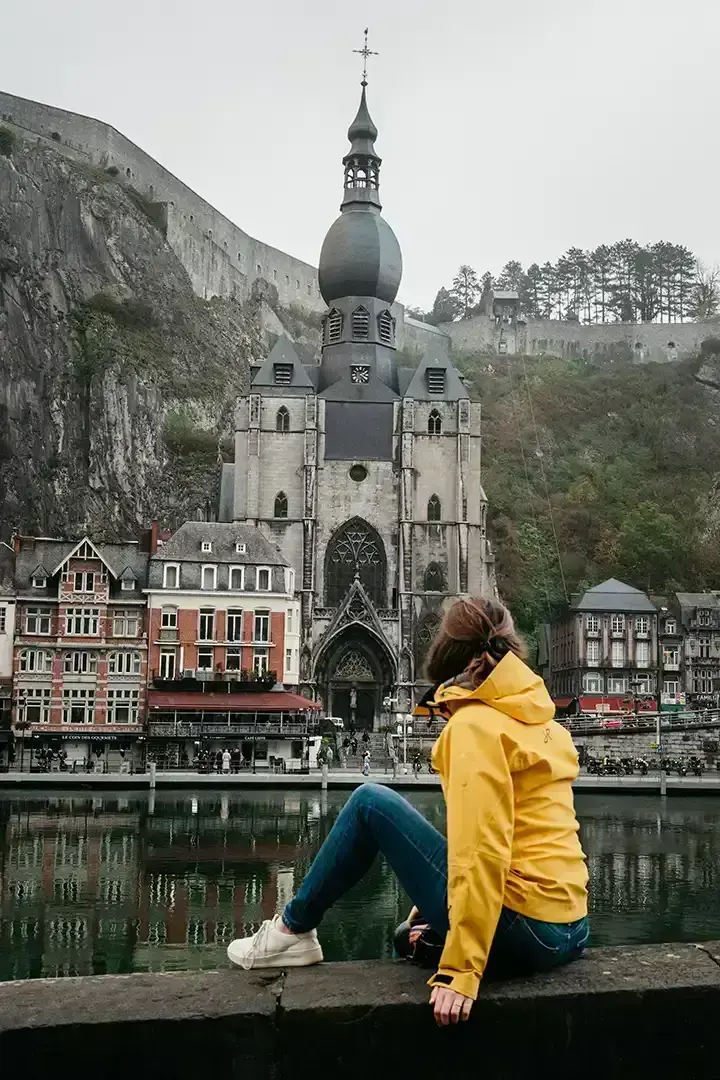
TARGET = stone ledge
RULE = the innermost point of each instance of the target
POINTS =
(623, 1012)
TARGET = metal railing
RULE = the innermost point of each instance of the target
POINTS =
(234, 725)
(642, 721)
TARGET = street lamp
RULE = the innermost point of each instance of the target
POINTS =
(404, 728)
(22, 724)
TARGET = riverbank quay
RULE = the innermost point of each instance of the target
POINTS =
(708, 784)
(620, 1012)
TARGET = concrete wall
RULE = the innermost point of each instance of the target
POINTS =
(643, 342)
(623, 1013)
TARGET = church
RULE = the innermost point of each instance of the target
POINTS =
(365, 474)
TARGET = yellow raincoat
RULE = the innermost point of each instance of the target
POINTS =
(507, 769)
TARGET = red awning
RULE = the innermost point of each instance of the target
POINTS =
(273, 701)
(562, 702)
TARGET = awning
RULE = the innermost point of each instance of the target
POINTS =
(562, 702)
(274, 701)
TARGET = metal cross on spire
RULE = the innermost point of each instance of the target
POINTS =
(365, 53)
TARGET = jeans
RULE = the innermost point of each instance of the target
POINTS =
(377, 819)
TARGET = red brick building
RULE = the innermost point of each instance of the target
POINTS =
(224, 639)
(80, 652)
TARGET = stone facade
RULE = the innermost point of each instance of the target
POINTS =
(365, 473)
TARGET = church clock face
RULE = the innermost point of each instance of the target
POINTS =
(359, 373)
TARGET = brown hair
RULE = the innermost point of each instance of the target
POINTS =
(473, 637)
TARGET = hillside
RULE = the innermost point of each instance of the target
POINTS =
(117, 383)
(623, 460)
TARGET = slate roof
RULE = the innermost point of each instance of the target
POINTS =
(283, 352)
(455, 389)
(613, 595)
(7, 570)
(698, 600)
(50, 553)
(184, 545)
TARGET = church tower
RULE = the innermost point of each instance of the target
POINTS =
(366, 474)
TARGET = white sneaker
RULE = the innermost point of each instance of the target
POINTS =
(271, 948)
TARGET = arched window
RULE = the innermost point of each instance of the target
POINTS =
(282, 420)
(434, 423)
(281, 505)
(427, 630)
(333, 327)
(385, 327)
(360, 324)
(434, 512)
(355, 550)
(434, 578)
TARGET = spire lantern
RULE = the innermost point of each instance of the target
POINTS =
(362, 164)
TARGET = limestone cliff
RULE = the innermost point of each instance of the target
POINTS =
(117, 383)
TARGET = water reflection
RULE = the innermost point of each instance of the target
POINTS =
(102, 885)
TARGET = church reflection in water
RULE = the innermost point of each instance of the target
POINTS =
(112, 884)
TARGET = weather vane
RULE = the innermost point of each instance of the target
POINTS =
(365, 52)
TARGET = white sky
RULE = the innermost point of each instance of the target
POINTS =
(508, 130)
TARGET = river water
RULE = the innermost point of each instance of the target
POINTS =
(113, 884)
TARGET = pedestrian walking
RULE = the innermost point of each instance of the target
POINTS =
(226, 761)
(366, 763)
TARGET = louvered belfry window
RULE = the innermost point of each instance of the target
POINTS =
(385, 327)
(282, 374)
(436, 380)
(360, 324)
(333, 327)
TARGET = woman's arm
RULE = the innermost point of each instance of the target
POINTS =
(480, 818)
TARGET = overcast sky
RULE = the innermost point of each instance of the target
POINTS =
(507, 130)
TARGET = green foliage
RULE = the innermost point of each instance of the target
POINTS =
(183, 437)
(650, 545)
(625, 458)
(132, 314)
(7, 141)
(465, 291)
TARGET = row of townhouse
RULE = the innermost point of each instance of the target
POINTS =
(167, 646)
(616, 649)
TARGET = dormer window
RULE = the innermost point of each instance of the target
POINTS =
(436, 380)
(240, 548)
(39, 582)
(360, 324)
(206, 545)
(127, 584)
(333, 327)
(385, 327)
(282, 374)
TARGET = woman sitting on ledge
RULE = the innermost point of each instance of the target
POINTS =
(507, 890)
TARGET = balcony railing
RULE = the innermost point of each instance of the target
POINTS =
(170, 725)
(216, 682)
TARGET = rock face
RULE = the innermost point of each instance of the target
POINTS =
(117, 383)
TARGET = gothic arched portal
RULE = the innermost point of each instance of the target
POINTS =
(355, 671)
(356, 549)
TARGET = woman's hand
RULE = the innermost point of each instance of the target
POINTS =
(449, 1007)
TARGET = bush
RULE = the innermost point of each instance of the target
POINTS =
(182, 437)
(132, 314)
(7, 141)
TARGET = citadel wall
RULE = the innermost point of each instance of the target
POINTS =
(642, 342)
(219, 257)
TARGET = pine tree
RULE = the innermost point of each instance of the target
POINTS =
(465, 290)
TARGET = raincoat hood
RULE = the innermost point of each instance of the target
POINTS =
(512, 688)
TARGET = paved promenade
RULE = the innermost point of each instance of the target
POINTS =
(709, 784)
